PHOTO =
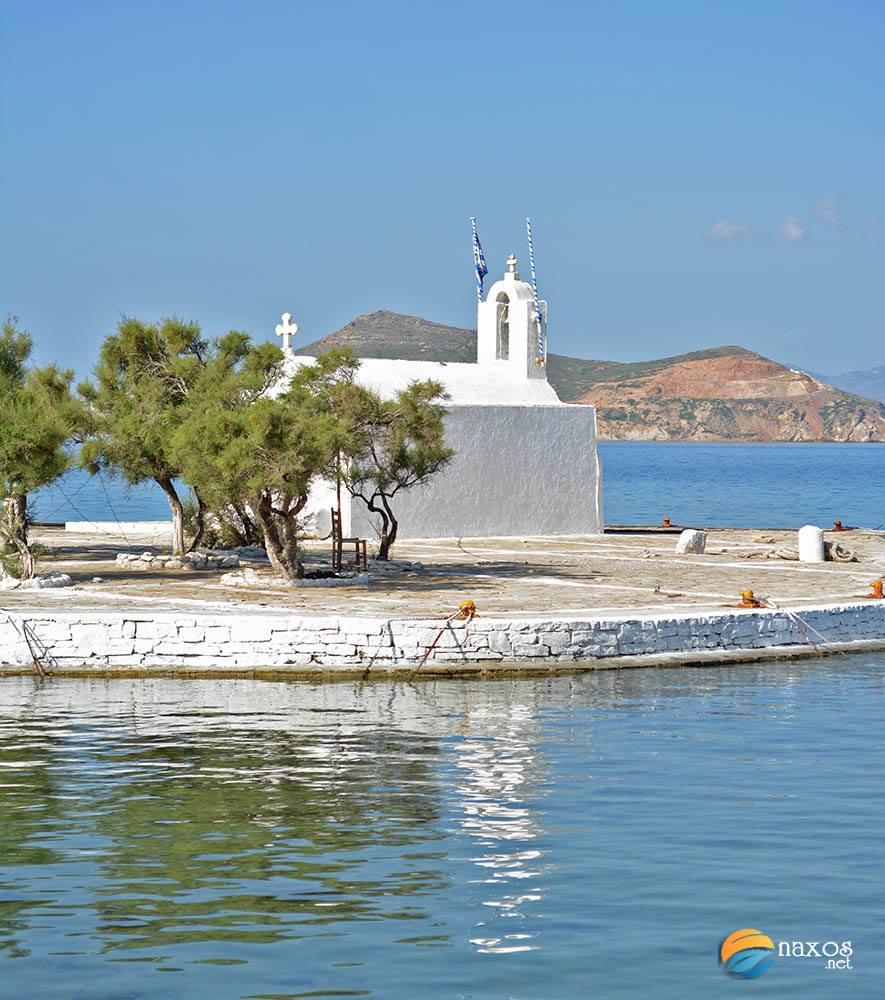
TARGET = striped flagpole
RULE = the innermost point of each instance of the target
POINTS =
(541, 345)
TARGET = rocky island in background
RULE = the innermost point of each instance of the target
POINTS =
(721, 394)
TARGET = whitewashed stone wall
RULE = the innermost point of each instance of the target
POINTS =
(126, 640)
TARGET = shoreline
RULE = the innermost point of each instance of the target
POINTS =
(502, 671)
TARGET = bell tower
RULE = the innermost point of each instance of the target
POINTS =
(509, 331)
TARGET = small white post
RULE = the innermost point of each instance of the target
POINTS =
(811, 544)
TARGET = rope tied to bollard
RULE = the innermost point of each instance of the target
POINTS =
(466, 612)
(761, 601)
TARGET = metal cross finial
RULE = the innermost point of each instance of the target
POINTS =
(287, 330)
(511, 264)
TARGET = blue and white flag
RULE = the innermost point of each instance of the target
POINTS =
(479, 261)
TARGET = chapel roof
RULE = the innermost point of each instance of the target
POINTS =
(465, 383)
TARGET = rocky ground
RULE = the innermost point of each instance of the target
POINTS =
(506, 577)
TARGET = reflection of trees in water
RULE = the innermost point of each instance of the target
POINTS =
(499, 776)
(273, 811)
(266, 830)
(227, 835)
(32, 805)
(182, 827)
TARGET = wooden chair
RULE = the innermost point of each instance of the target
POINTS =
(361, 560)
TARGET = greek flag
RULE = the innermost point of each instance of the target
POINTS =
(479, 261)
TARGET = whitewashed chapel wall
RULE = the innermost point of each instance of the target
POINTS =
(517, 470)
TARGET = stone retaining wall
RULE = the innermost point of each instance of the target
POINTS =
(179, 641)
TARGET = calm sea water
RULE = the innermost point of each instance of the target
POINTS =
(736, 485)
(744, 485)
(594, 836)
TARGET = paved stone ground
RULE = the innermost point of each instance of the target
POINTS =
(505, 577)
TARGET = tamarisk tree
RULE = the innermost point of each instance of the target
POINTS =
(38, 417)
(250, 438)
(136, 402)
(391, 446)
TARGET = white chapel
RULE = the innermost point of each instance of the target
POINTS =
(525, 462)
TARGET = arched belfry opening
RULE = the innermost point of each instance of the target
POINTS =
(502, 327)
(510, 337)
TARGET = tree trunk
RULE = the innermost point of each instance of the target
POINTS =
(279, 540)
(15, 531)
(389, 526)
(289, 538)
(199, 524)
(168, 487)
(250, 534)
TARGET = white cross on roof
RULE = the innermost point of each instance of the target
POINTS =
(287, 330)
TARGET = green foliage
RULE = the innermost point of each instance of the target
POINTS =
(613, 413)
(141, 380)
(10, 560)
(392, 445)
(38, 418)
(142, 385)
(242, 445)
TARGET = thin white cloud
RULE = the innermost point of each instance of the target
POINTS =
(828, 212)
(791, 230)
(725, 230)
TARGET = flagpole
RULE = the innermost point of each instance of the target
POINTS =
(541, 344)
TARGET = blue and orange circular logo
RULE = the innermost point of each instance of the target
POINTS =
(746, 953)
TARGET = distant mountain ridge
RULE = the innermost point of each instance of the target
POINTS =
(721, 394)
(869, 383)
(384, 334)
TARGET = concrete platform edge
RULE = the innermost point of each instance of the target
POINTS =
(283, 645)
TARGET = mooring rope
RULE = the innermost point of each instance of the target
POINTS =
(802, 625)
(55, 510)
(111, 506)
(31, 639)
(76, 508)
(466, 612)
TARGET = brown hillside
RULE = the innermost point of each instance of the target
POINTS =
(739, 396)
(741, 375)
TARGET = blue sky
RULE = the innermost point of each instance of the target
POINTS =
(697, 173)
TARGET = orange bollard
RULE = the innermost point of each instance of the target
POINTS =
(749, 600)
(665, 523)
(837, 526)
(878, 587)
